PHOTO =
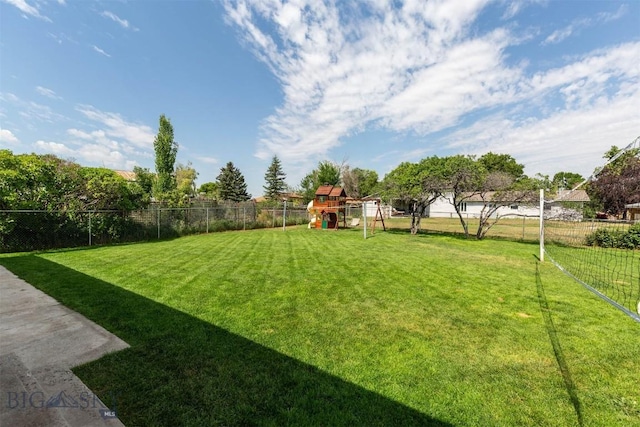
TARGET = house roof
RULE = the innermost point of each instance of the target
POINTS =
(324, 190)
(293, 196)
(572, 196)
(337, 192)
(127, 175)
(289, 196)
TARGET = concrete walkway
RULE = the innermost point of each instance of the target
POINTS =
(40, 340)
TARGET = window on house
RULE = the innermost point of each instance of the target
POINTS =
(514, 206)
(322, 199)
(463, 206)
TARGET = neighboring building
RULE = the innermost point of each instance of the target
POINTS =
(568, 205)
(294, 199)
(472, 207)
(633, 211)
(372, 207)
(127, 175)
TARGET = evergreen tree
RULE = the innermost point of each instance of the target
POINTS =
(274, 178)
(231, 184)
(166, 150)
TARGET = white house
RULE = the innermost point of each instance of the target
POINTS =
(472, 206)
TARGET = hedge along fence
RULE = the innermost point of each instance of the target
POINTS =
(26, 230)
(616, 237)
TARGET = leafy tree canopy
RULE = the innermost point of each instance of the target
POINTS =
(566, 180)
(326, 173)
(501, 163)
(358, 182)
(210, 189)
(31, 181)
(186, 180)
(145, 179)
(618, 183)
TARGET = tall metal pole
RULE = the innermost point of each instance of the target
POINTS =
(364, 213)
(89, 228)
(541, 225)
(284, 216)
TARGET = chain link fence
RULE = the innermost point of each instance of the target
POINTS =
(28, 230)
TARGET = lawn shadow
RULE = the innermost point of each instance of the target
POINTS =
(570, 386)
(181, 370)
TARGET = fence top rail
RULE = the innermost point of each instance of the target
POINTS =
(59, 211)
(153, 209)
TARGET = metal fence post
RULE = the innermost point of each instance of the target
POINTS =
(284, 216)
(89, 228)
(158, 223)
(207, 220)
(244, 218)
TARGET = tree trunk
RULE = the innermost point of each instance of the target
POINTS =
(415, 219)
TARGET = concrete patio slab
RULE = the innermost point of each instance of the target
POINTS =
(40, 341)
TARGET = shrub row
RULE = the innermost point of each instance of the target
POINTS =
(622, 239)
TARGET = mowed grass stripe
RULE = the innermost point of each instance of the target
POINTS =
(450, 328)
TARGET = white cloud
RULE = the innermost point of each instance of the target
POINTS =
(209, 160)
(100, 51)
(59, 38)
(47, 92)
(578, 25)
(8, 137)
(91, 153)
(608, 16)
(32, 110)
(123, 22)
(98, 136)
(56, 148)
(137, 134)
(338, 76)
(421, 69)
(27, 9)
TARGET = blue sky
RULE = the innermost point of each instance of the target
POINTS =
(372, 84)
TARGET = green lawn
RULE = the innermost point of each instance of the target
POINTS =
(310, 327)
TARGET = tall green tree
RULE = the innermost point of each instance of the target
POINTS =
(566, 180)
(416, 184)
(145, 180)
(358, 182)
(166, 150)
(274, 178)
(501, 163)
(186, 180)
(210, 189)
(326, 173)
(464, 176)
(231, 184)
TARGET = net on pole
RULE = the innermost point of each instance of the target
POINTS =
(603, 255)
